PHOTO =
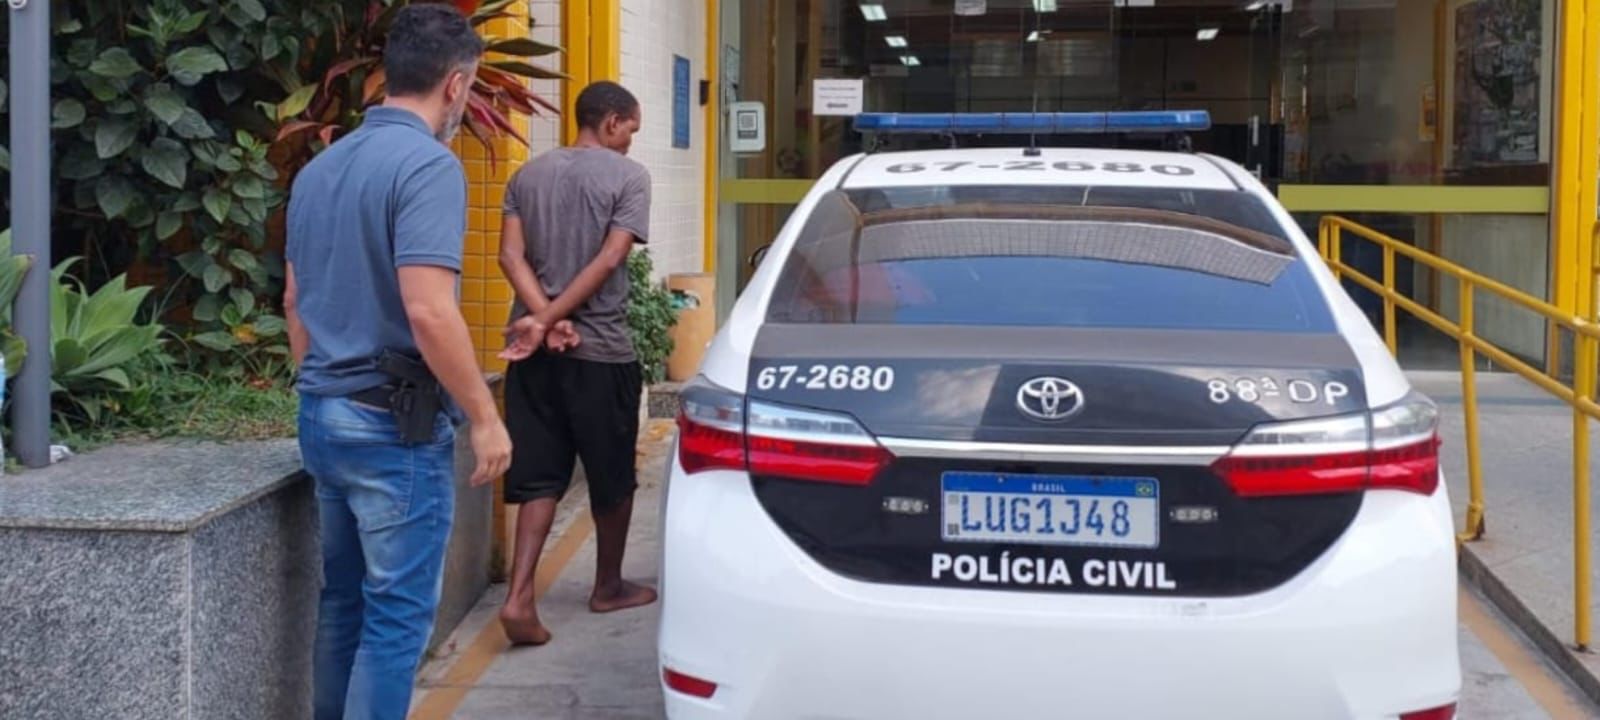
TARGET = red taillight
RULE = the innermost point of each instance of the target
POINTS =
(1443, 712)
(688, 684)
(702, 447)
(719, 430)
(822, 462)
(1396, 448)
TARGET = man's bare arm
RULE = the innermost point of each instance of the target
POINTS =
(514, 264)
(299, 339)
(441, 334)
(588, 282)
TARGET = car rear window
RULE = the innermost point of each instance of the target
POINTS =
(1148, 258)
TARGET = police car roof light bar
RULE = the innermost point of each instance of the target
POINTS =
(1057, 123)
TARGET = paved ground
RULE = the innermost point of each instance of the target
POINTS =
(603, 667)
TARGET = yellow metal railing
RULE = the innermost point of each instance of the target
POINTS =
(1579, 395)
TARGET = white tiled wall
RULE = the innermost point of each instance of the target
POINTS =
(545, 132)
(653, 31)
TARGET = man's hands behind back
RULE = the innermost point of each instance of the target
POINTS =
(526, 335)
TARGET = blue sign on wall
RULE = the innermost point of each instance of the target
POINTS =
(680, 102)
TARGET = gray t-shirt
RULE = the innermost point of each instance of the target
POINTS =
(569, 199)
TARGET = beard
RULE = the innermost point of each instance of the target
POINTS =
(452, 122)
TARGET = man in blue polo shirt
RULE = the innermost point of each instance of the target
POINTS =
(375, 231)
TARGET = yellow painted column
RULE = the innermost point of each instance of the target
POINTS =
(574, 37)
(713, 140)
(1577, 158)
(591, 30)
(485, 295)
(605, 40)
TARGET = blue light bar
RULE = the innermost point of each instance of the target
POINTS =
(1060, 123)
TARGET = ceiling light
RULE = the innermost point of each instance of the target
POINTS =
(1044, 6)
(1206, 34)
(1034, 36)
(895, 40)
(910, 60)
(1257, 5)
(873, 12)
(971, 7)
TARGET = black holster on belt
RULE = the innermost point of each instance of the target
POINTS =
(416, 400)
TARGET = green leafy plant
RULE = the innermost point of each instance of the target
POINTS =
(158, 141)
(252, 340)
(651, 315)
(13, 268)
(95, 338)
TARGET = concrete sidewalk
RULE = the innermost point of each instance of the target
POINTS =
(1524, 563)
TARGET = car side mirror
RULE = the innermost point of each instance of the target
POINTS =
(757, 256)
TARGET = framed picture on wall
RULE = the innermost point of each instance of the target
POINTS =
(1496, 110)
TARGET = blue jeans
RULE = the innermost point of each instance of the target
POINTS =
(386, 509)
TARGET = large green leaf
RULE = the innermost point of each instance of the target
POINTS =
(114, 193)
(112, 307)
(119, 348)
(208, 308)
(168, 224)
(191, 22)
(297, 102)
(115, 63)
(117, 377)
(250, 186)
(217, 204)
(69, 355)
(231, 317)
(242, 259)
(269, 326)
(165, 103)
(244, 300)
(191, 64)
(13, 270)
(81, 163)
(167, 160)
(15, 350)
(191, 125)
(195, 263)
(68, 113)
(219, 341)
(252, 8)
(114, 135)
(216, 278)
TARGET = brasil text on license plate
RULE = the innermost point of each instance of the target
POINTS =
(1051, 509)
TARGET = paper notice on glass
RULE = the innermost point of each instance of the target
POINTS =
(830, 96)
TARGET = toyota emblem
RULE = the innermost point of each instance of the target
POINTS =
(1049, 398)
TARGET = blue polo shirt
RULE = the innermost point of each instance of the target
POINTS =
(385, 196)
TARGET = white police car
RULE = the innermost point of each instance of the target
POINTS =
(1054, 433)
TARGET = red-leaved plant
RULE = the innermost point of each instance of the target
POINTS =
(318, 113)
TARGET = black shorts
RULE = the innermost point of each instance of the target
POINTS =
(560, 409)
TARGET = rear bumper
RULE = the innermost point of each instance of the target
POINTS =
(1369, 631)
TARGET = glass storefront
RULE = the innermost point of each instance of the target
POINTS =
(1438, 105)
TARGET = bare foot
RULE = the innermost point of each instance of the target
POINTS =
(627, 595)
(523, 629)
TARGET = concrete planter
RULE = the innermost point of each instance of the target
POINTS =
(181, 581)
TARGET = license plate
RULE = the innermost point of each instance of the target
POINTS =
(1051, 509)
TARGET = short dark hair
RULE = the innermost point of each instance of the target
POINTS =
(601, 99)
(427, 42)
